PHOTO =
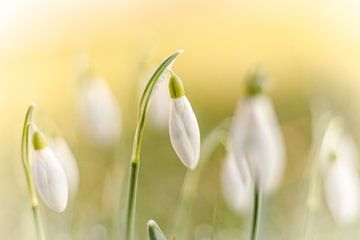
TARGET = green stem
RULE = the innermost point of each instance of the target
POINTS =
(26, 162)
(192, 178)
(256, 214)
(135, 159)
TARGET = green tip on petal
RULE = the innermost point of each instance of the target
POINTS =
(255, 82)
(39, 141)
(176, 87)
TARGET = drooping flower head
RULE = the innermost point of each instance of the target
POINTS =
(49, 176)
(256, 135)
(183, 126)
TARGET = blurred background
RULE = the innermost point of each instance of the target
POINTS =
(309, 49)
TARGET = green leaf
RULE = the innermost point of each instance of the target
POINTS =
(154, 231)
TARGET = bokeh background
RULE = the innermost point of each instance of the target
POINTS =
(309, 49)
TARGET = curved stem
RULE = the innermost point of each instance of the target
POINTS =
(26, 162)
(256, 213)
(192, 178)
(135, 159)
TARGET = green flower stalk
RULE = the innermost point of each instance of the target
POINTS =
(26, 162)
(135, 159)
(254, 232)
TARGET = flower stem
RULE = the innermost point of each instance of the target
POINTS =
(26, 162)
(135, 159)
(256, 213)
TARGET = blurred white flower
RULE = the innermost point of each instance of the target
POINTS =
(255, 134)
(160, 101)
(338, 158)
(49, 176)
(237, 186)
(99, 112)
(68, 162)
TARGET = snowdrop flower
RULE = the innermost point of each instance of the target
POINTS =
(237, 186)
(183, 126)
(49, 177)
(338, 157)
(99, 112)
(255, 134)
(68, 162)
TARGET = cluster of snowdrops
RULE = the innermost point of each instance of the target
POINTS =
(253, 166)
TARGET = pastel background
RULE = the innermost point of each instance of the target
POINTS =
(309, 49)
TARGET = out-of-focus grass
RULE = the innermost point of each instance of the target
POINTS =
(307, 48)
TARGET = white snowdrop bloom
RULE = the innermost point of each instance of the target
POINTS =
(99, 112)
(49, 176)
(339, 156)
(255, 134)
(237, 186)
(183, 126)
(68, 162)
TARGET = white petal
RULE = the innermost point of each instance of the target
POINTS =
(341, 188)
(338, 158)
(256, 134)
(68, 162)
(50, 179)
(99, 112)
(184, 132)
(236, 185)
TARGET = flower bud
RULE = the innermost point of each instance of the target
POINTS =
(49, 177)
(183, 126)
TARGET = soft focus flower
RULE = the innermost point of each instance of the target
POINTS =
(99, 112)
(160, 101)
(256, 135)
(237, 185)
(183, 126)
(49, 177)
(338, 158)
(68, 162)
